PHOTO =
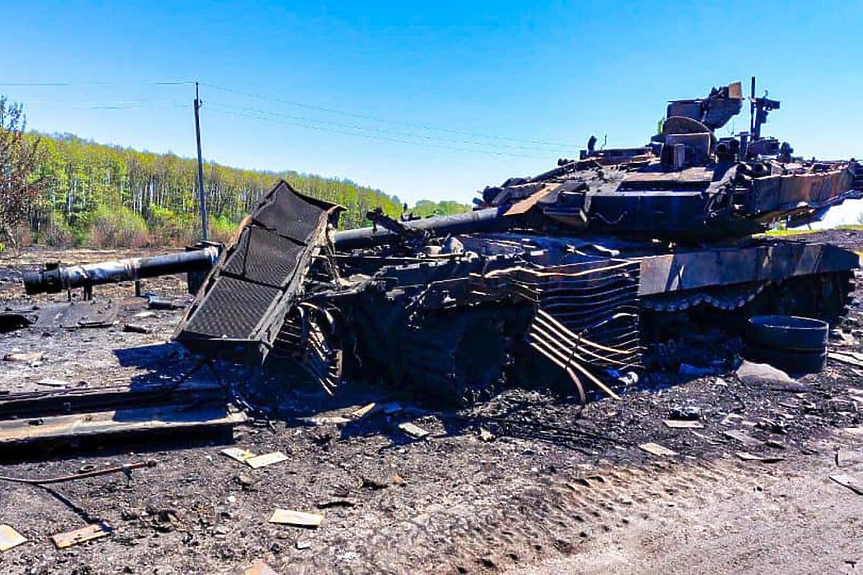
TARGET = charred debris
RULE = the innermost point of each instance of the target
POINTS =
(591, 276)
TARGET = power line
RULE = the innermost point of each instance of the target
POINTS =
(376, 138)
(383, 120)
(483, 144)
(384, 130)
(97, 83)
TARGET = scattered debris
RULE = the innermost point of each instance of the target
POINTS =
(259, 567)
(846, 358)
(365, 410)
(11, 321)
(847, 481)
(10, 538)
(656, 449)
(337, 503)
(52, 382)
(773, 426)
(752, 373)
(743, 438)
(238, 454)
(296, 518)
(586, 479)
(687, 413)
(486, 435)
(682, 424)
(154, 302)
(136, 328)
(24, 357)
(245, 481)
(78, 536)
(414, 431)
(89, 314)
(372, 408)
(116, 423)
(254, 461)
(848, 458)
(328, 420)
(84, 473)
(266, 459)
(731, 418)
(376, 483)
(303, 544)
(144, 315)
(745, 456)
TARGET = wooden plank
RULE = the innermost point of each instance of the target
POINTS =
(10, 538)
(656, 449)
(82, 535)
(72, 400)
(414, 431)
(238, 454)
(743, 438)
(682, 424)
(745, 456)
(266, 459)
(847, 481)
(121, 421)
(296, 518)
(845, 358)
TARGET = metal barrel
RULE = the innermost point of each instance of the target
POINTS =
(54, 279)
(488, 219)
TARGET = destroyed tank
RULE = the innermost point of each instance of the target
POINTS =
(592, 274)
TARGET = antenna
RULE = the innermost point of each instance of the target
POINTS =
(752, 108)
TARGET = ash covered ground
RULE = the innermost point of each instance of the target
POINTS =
(528, 482)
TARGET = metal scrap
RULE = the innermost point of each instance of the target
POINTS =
(24, 357)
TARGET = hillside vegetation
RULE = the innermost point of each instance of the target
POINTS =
(102, 195)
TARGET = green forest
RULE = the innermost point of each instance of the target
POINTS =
(99, 195)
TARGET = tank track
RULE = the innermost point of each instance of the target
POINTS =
(460, 356)
(705, 326)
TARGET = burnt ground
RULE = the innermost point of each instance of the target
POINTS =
(527, 482)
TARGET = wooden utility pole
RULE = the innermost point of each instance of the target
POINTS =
(202, 198)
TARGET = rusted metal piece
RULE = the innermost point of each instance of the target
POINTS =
(126, 469)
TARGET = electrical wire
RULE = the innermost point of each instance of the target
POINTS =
(376, 138)
(383, 120)
(479, 143)
(379, 130)
(97, 83)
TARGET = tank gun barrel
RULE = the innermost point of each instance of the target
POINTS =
(484, 220)
(55, 278)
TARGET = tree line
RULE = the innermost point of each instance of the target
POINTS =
(103, 195)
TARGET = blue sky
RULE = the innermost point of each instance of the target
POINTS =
(433, 100)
